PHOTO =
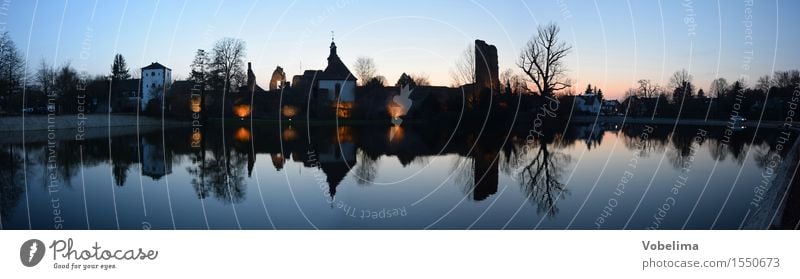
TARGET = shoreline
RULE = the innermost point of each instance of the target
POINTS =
(73, 122)
(671, 121)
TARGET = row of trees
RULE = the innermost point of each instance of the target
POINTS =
(681, 87)
(770, 94)
(367, 73)
(12, 68)
(221, 70)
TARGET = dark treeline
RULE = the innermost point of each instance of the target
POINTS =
(774, 97)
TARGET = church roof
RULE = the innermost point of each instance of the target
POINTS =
(154, 66)
(336, 69)
(335, 172)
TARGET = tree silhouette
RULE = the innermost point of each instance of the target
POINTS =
(12, 66)
(119, 69)
(45, 77)
(681, 82)
(421, 79)
(365, 69)
(718, 87)
(542, 60)
(227, 64)
(515, 83)
(199, 67)
(464, 71)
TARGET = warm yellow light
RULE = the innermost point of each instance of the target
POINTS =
(242, 134)
(197, 136)
(396, 134)
(195, 105)
(289, 134)
(289, 111)
(344, 134)
(343, 109)
(395, 110)
(242, 110)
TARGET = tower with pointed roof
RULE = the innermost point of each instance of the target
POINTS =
(338, 84)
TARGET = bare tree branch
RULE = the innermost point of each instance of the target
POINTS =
(542, 60)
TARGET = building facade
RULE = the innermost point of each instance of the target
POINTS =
(156, 80)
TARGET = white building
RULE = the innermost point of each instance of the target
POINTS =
(338, 85)
(588, 103)
(337, 79)
(156, 80)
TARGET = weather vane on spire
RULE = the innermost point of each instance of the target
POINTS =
(332, 36)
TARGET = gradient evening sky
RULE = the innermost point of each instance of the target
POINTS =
(614, 43)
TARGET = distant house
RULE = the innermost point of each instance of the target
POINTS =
(114, 95)
(125, 95)
(611, 107)
(156, 80)
(588, 103)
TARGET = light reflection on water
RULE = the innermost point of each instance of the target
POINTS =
(396, 177)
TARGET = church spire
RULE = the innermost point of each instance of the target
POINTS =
(333, 47)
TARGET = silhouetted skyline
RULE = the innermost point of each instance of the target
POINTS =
(418, 36)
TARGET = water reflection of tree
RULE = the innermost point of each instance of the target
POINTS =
(639, 139)
(717, 150)
(229, 177)
(366, 169)
(199, 170)
(124, 151)
(681, 154)
(540, 178)
(219, 173)
(11, 180)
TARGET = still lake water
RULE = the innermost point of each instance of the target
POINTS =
(385, 177)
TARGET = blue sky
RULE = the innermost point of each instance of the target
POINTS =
(614, 42)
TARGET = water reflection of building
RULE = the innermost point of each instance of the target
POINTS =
(486, 173)
(337, 157)
(278, 160)
(592, 135)
(155, 162)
